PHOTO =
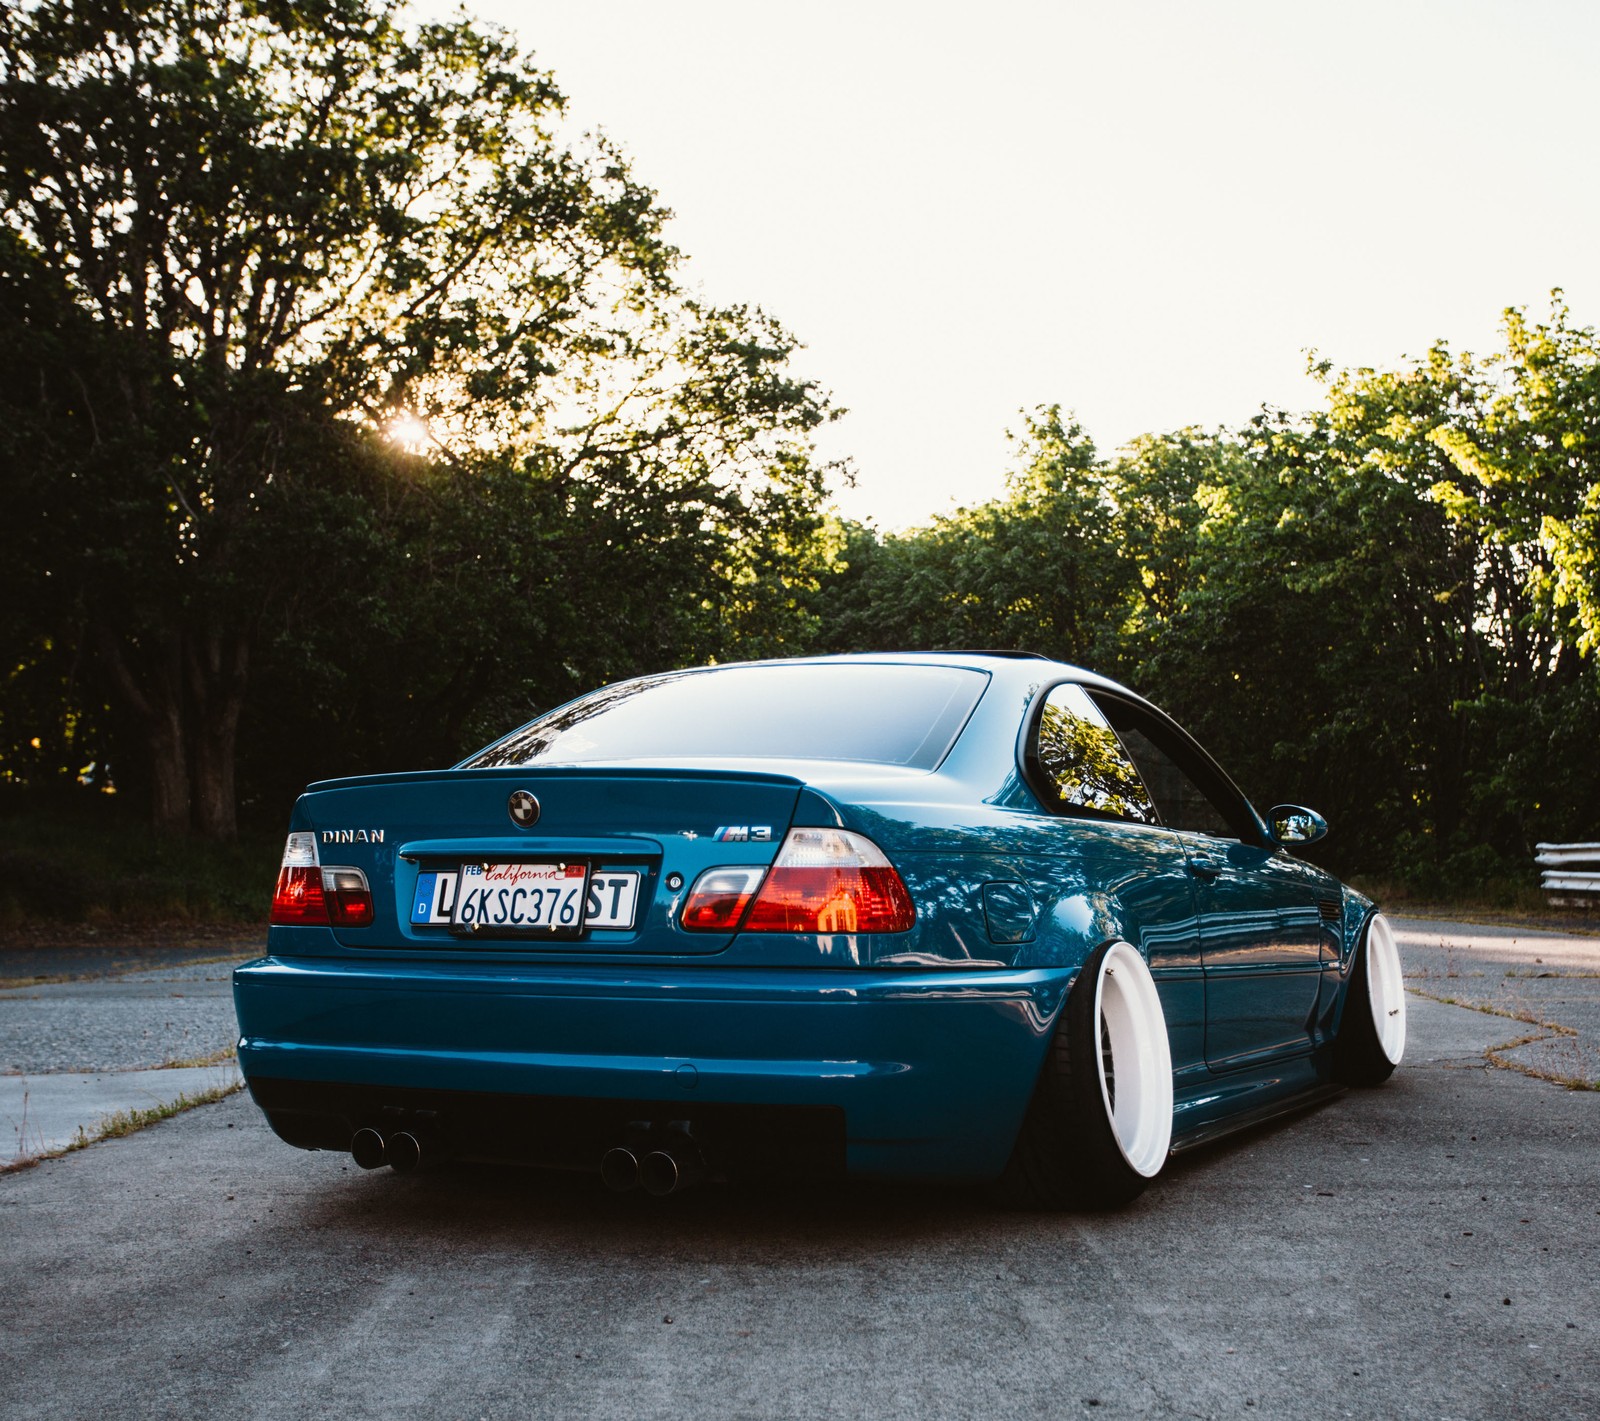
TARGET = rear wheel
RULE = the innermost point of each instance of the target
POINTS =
(1100, 1123)
(1372, 1029)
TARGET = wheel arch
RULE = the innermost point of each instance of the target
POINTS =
(1359, 911)
(1076, 926)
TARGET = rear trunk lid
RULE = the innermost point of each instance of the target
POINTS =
(590, 859)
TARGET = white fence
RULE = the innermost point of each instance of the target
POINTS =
(1571, 877)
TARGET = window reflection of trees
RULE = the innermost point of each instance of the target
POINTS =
(885, 714)
(535, 740)
(1087, 764)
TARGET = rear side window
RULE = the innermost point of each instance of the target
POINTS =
(886, 714)
(1080, 758)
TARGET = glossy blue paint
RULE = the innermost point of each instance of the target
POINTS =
(927, 1042)
(931, 1070)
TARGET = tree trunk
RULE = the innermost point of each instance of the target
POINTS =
(156, 699)
(215, 804)
(187, 695)
(170, 788)
(217, 674)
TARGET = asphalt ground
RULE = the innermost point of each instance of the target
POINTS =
(94, 1018)
(99, 1023)
(124, 1023)
(75, 1053)
(1426, 1249)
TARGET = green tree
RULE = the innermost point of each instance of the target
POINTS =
(1526, 481)
(1164, 488)
(1374, 607)
(1036, 570)
(241, 238)
(470, 597)
(1361, 633)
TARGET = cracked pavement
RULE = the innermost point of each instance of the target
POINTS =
(1546, 985)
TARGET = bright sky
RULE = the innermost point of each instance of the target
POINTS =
(1147, 212)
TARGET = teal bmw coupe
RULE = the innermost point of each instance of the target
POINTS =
(971, 917)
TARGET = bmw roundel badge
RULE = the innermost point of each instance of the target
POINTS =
(524, 809)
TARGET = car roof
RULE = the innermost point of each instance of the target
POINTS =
(1007, 666)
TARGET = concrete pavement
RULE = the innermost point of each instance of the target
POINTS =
(42, 1114)
(74, 1053)
(1426, 1251)
(1543, 985)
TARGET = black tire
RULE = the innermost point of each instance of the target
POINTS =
(1365, 1053)
(1069, 1154)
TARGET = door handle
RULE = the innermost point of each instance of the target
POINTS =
(1206, 869)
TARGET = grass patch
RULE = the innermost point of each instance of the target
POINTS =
(1494, 896)
(80, 858)
(1526, 1017)
(216, 1058)
(126, 1122)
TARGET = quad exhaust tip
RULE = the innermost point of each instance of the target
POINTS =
(658, 1172)
(619, 1169)
(367, 1148)
(401, 1151)
(405, 1152)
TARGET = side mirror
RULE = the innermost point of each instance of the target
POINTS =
(1295, 824)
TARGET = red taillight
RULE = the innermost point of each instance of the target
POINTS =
(822, 881)
(298, 898)
(348, 897)
(718, 899)
(832, 900)
(311, 895)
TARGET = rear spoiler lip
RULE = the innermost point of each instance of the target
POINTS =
(530, 772)
(621, 846)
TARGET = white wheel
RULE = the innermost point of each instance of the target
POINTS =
(1386, 991)
(1372, 1024)
(1135, 1060)
(1100, 1123)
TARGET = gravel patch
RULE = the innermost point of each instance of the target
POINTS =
(126, 1023)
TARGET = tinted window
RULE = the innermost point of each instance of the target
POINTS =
(1172, 771)
(1179, 799)
(892, 715)
(1081, 759)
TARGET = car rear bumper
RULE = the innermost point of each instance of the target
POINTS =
(899, 1074)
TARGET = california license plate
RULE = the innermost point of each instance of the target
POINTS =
(545, 899)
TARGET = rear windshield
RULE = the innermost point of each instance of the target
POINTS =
(887, 714)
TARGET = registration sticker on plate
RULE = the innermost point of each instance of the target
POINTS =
(558, 899)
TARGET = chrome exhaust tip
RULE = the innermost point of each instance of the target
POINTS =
(619, 1169)
(659, 1174)
(367, 1148)
(663, 1172)
(404, 1152)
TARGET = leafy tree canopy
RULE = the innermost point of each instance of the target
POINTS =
(1377, 606)
(243, 239)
